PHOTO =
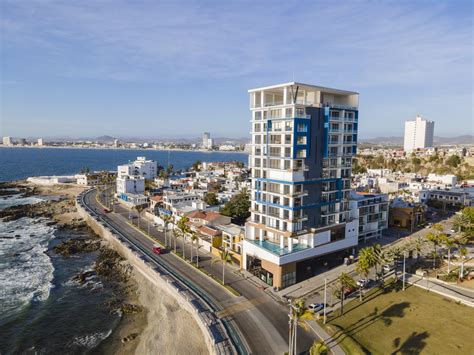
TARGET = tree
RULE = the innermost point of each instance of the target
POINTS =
(453, 161)
(225, 258)
(211, 199)
(449, 243)
(184, 229)
(319, 348)
(435, 239)
(462, 254)
(197, 165)
(139, 209)
(195, 238)
(299, 315)
(167, 219)
(238, 207)
(85, 170)
(345, 284)
(169, 170)
(460, 221)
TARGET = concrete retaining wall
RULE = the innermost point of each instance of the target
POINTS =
(211, 326)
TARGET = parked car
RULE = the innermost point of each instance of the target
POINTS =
(388, 268)
(315, 307)
(362, 282)
(429, 225)
(157, 249)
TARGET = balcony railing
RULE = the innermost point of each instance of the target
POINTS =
(276, 249)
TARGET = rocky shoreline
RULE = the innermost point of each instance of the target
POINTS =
(59, 207)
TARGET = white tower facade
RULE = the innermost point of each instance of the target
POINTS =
(418, 134)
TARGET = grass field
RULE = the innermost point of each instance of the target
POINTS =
(413, 321)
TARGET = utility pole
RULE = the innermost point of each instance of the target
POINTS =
(404, 257)
(325, 300)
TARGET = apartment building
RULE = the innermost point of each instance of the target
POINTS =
(303, 141)
(418, 134)
(141, 167)
(372, 212)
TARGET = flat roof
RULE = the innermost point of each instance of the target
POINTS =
(319, 88)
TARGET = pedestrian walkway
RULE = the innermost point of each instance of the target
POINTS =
(324, 336)
(458, 294)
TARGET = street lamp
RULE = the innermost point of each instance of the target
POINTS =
(404, 257)
(325, 300)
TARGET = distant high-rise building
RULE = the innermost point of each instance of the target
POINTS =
(205, 139)
(40, 142)
(7, 141)
(303, 140)
(22, 141)
(418, 134)
(210, 143)
(116, 143)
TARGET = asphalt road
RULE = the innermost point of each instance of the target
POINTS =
(261, 320)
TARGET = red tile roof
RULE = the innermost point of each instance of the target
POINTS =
(209, 231)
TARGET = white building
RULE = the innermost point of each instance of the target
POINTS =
(303, 141)
(40, 142)
(116, 143)
(7, 141)
(205, 139)
(140, 167)
(449, 180)
(130, 185)
(372, 212)
(418, 134)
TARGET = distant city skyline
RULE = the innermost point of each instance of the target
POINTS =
(177, 70)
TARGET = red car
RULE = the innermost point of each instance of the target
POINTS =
(157, 249)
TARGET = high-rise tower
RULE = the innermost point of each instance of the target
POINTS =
(303, 141)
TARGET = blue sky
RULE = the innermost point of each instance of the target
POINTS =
(177, 68)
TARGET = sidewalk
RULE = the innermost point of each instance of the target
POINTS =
(321, 334)
(456, 293)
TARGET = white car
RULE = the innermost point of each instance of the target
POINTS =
(315, 307)
(362, 282)
(388, 268)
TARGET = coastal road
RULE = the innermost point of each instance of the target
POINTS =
(262, 321)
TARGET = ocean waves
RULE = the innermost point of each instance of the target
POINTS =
(26, 271)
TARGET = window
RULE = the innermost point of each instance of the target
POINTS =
(301, 140)
(258, 115)
(300, 112)
(287, 152)
(274, 164)
(287, 138)
(302, 127)
(288, 126)
(256, 127)
(301, 153)
(275, 151)
(275, 139)
(258, 139)
(287, 164)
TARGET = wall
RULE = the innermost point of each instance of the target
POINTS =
(185, 297)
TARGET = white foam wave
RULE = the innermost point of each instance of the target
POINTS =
(16, 200)
(26, 271)
(90, 341)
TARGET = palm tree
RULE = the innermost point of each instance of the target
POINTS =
(345, 283)
(299, 315)
(449, 243)
(364, 265)
(183, 227)
(139, 209)
(319, 348)
(195, 238)
(167, 219)
(462, 254)
(460, 221)
(176, 234)
(225, 258)
(435, 240)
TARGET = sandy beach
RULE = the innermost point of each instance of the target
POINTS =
(161, 325)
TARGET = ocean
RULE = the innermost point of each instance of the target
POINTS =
(21, 163)
(42, 309)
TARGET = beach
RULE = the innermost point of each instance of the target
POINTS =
(150, 318)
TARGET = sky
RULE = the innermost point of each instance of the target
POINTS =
(177, 68)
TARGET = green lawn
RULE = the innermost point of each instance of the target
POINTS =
(413, 321)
